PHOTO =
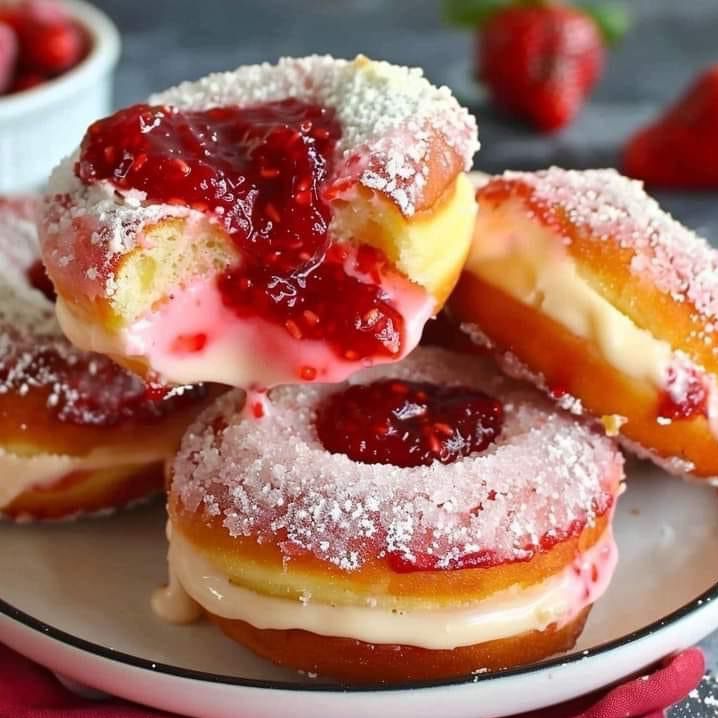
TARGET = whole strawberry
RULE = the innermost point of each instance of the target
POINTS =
(45, 42)
(51, 47)
(680, 149)
(51, 42)
(539, 59)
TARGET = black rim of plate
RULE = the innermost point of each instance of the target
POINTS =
(185, 673)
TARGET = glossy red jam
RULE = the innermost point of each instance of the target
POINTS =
(408, 423)
(685, 396)
(39, 40)
(260, 172)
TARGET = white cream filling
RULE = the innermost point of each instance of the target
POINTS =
(557, 600)
(20, 473)
(520, 257)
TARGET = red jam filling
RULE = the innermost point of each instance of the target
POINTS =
(684, 397)
(408, 423)
(261, 173)
(110, 396)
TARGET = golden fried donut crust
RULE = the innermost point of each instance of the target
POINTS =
(28, 428)
(354, 662)
(88, 492)
(575, 365)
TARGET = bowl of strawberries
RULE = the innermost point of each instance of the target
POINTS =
(56, 65)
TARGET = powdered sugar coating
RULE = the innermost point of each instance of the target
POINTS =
(389, 115)
(23, 309)
(272, 478)
(610, 206)
(29, 332)
(92, 226)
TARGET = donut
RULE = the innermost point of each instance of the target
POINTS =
(277, 224)
(426, 519)
(77, 433)
(582, 284)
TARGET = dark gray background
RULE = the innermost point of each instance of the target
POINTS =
(167, 41)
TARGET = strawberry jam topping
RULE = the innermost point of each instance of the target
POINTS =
(260, 173)
(684, 397)
(408, 423)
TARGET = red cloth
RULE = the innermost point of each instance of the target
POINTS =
(29, 691)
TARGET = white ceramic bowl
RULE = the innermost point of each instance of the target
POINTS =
(40, 126)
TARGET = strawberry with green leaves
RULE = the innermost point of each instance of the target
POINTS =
(539, 59)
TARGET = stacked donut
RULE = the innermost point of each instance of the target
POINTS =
(358, 507)
(580, 283)
(78, 434)
(428, 519)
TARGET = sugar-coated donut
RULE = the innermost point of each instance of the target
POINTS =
(483, 548)
(277, 224)
(78, 434)
(579, 282)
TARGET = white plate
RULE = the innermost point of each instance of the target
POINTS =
(75, 598)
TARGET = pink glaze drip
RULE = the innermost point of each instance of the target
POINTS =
(196, 334)
(591, 573)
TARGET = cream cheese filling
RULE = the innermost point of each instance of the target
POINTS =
(20, 473)
(557, 600)
(520, 257)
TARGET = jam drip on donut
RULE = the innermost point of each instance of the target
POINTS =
(685, 395)
(408, 423)
(261, 173)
